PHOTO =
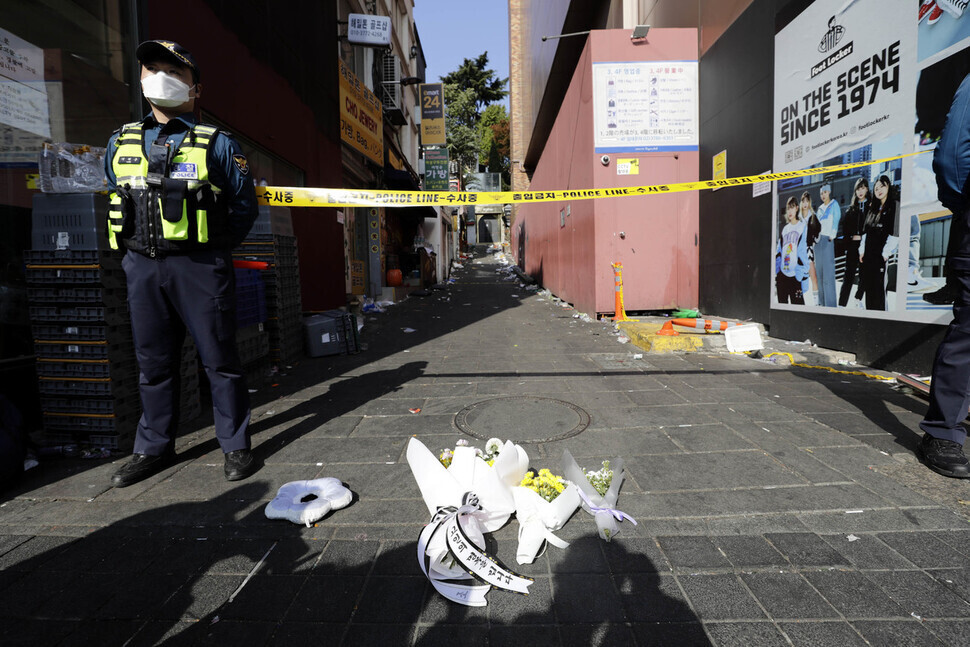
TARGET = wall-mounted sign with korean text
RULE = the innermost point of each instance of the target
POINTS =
(645, 106)
(432, 114)
(363, 29)
(361, 121)
(436, 169)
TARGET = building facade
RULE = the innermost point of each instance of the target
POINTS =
(760, 62)
(272, 74)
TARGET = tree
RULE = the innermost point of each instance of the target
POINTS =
(493, 132)
(474, 75)
(499, 153)
(461, 126)
(469, 91)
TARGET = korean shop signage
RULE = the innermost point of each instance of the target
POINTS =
(361, 121)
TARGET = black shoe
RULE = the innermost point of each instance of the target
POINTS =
(140, 467)
(240, 464)
(941, 297)
(944, 457)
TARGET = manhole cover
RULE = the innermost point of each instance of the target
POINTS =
(522, 419)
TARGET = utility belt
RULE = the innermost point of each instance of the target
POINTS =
(184, 214)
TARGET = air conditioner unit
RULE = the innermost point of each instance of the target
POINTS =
(391, 89)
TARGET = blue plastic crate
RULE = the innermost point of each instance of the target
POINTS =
(250, 297)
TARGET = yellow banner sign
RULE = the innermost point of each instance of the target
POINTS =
(432, 114)
(305, 197)
(361, 118)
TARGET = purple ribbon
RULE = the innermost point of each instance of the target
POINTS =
(617, 514)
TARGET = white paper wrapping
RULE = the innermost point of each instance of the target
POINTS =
(444, 486)
(538, 518)
(603, 508)
(466, 499)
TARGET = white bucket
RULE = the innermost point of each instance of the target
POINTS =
(743, 338)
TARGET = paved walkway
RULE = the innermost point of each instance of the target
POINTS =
(776, 506)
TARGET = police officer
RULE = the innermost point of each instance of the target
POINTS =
(941, 447)
(181, 199)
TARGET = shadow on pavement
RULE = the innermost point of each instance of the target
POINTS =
(175, 576)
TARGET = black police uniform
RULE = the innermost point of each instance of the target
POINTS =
(174, 285)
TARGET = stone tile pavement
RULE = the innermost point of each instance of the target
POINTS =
(776, 505)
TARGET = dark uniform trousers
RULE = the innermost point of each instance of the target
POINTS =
(166, 295)
(950, 385)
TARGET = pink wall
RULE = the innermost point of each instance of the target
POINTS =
(659, 250)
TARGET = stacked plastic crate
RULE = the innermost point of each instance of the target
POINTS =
(86, 367)
(87, 374)
(284, 323)
(252, 339)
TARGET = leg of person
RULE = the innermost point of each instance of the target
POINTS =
(942, 446)
(825, 266)
(158, 334)
(848, 278)
(865, 283)
(879, 285)
(204, 295)
(798, 298)
(874, 284)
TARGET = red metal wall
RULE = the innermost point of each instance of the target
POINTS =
(659, 246)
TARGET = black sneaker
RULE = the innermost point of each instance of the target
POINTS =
(140, 467)
(240, 464)
(944, 457)
(941, 297)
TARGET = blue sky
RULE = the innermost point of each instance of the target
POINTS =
(453, 30)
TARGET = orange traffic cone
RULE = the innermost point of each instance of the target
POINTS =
(704, 324)
(619, 312)
(668, 329)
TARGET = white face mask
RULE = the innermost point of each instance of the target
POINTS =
(164, 91)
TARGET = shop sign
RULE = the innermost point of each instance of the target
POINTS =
(361, 118)
(363, 29)
(432, 114)
(436, 169)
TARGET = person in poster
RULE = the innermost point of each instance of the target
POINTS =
(880, 238)
(812, 229)
(829, 213)
(791, 260)
(852, 225)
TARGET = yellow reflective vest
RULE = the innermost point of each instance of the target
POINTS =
(171, 207)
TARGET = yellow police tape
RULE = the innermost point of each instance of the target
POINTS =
(792, 361)
(306, 197)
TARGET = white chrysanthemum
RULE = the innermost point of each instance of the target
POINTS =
(493, 446)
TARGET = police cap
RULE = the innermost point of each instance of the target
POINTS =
(153, 50)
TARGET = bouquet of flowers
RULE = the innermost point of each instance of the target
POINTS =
(449, 483)
(491, 452)
(600, 479)
(543, 503)
(599, 490)
(547, 485)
